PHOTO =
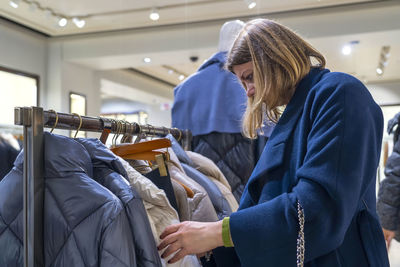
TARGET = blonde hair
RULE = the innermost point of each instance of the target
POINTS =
(280, 58)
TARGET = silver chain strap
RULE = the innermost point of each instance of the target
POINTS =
(300, 237)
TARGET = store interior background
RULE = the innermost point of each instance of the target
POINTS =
(126, 65)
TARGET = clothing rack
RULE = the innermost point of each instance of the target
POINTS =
(33, 120)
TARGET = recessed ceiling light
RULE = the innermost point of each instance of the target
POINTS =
(80, 23)
(62, 22)
(379, 71)
(170, 72)
(250, 4)
(147, 60)
(346, 50)
(14, 3)
(154, 15)
(181, 77)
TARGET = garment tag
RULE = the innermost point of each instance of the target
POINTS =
(161, 165)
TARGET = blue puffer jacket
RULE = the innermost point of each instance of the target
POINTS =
(109, 172)
(85, 224)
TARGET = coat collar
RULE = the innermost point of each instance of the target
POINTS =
(219, 57)
(273, 154)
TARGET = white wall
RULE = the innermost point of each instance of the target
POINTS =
(387, 93)
(26, 51)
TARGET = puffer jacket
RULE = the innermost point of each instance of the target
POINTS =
(234, 155)
(109, 172)
(84, 223)
(388, 205)
(208, 168)
(218, 200)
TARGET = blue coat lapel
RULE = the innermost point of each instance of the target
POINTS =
(274, 152)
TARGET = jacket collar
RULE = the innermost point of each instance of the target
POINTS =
(63, 155)
(219, 57)
(293, 110)
(273, 154)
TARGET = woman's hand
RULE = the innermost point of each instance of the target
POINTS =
(389, 235)
(190, 238)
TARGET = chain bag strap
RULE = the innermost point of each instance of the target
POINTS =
(300, 236)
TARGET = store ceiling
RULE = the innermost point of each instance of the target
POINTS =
(105, 15)
(110, 18)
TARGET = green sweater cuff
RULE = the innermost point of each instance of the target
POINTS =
(226, 233)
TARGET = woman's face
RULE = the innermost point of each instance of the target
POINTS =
(244, 72)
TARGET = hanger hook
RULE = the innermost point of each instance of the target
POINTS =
(180, 133)
(55, 123)
(80, 123)
(117, 132)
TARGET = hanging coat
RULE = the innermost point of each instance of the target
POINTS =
(84, 223)
(323, 153)
(110, 173)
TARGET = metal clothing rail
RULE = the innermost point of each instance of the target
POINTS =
(33, 120)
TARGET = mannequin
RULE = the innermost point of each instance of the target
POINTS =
(228, 34)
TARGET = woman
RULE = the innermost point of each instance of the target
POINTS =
(315, 182)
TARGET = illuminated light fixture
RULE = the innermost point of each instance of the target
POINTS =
(154, 15)
(62, 22)
(80, 23)
(250, 4)
(147, 60)
(383, 60)
(14, 3)
(346, 50)
(170, 72)
(181, 77)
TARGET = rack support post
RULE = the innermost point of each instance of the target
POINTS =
(33, 184)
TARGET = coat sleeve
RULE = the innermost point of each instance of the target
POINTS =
(388, 205)
(343, 146)
(117, 245)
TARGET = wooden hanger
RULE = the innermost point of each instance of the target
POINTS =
(145, 151)
(145, 146)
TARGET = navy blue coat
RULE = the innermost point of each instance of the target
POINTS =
(84, 223)
(324, 153)
(211, 100)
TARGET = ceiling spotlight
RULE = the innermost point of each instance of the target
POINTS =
(62, 22)
(181, 77)
(383, 60)
(250, 4)
(346, 50)
(170, 72)
(14, 3)
(147, 60)
(154, 15)
(80, 23)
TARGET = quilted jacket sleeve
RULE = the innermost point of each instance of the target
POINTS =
(388, 205)
(117, 249)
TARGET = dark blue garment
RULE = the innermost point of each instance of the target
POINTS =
(324, 153)
(8, 154)
(109, 172)
(84, 223)
(211, 100)
(164, 183)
